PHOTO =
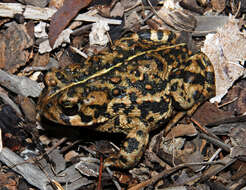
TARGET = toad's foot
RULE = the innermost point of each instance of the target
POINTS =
(131, 151)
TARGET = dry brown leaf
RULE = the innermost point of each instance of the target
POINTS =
(8, 181)
(173, 146)
(218, 5)
(118, 10)
(236, 99)
(210, 113)
(41, 60)
(63, 16)
(70, 155)
(241, 103)
(56, 3)
(28, 107)
(172, 14)
(226, 50)
(238, 151)
(191, 158)
(182, 130)
(133, 21)
(237, 136)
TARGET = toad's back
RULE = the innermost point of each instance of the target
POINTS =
(130, 88)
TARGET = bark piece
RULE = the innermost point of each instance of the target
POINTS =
(29, 171)
(13, 45)
(37, 3)
(28, 107)
(20, 84)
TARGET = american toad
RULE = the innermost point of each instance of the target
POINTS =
(142, 81)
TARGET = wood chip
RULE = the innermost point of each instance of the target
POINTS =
(14, 44)
(20, 84)
(30, 172)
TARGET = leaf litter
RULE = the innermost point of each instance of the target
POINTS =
(203, 152)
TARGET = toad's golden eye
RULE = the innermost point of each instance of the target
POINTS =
(69, 109)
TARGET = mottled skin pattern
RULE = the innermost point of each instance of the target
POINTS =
(139, 83)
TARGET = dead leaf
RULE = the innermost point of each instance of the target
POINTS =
(238, 152)
(8, 181)
(13, 45)
(237, 136)
(70, 155)
(40, 30)
(41, 60)
(173, 146)
(171, 14)
(209, 113)
(98, 34)
(88, 166)
(133, 21)
(241, 103)
(28, 107)
(235, 99)
(182, 130)
(56, 3)
(218, 5)
(193, 157)
(64, 37)
(63, 16)
(225, 50)
(118, 10)
(191, 5)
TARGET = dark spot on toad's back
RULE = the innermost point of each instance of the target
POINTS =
(132, 145)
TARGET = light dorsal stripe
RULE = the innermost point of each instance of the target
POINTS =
(104, 71)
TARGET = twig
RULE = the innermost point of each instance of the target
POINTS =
(211, 159)
(79, 30)
(166, 173)
(214, 170)
(204, 129)
(79, 52)
(100, 174)
(56, 145)
(226, 103)
(114, 181)
(217, 142)
(37, 13)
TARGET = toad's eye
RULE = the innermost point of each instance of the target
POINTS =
(69, 108)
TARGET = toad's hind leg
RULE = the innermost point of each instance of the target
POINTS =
(132, 148)
(193, 82)
(190, 85)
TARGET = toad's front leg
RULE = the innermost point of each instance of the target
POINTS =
(132, 148)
